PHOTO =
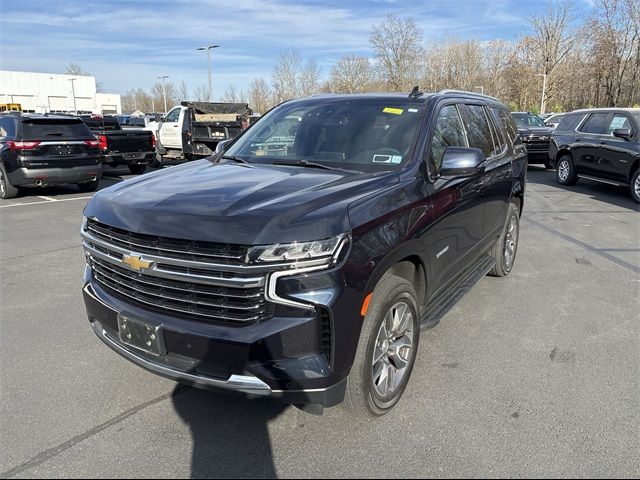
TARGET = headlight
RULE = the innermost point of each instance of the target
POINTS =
(297, 251)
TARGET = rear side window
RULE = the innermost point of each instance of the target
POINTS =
(478, 129)
(569, 122)
(499, 127)
(55, 129)
(7, 128)
(101, 123)
(597, 123)
(449, 132)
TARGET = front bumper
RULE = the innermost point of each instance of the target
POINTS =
(26, 177)
(276, 358)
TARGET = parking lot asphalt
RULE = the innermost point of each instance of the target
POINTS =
(536, 374)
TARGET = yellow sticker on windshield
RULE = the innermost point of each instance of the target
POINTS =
(395, 111)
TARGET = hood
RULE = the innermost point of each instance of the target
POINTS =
(234, 203)
(525, 131)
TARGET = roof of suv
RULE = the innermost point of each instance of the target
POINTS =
(606, 110)
(422, 98)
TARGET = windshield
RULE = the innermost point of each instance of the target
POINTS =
(528, 120)
(362, 134)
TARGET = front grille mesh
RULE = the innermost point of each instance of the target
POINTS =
(202, 293)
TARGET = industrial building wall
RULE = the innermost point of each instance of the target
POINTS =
(52, 92)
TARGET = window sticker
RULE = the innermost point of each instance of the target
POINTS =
(617, 122)
(394, 159)
(395, 111)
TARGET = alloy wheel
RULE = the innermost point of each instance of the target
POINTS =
(393, 350)
(563, 170)
(2, 180)
(511, 243)
(636, 186)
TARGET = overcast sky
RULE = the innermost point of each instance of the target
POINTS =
(127, 44)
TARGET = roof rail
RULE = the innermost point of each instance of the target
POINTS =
(469, 94)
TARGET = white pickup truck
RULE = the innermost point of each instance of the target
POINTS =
(194, 129)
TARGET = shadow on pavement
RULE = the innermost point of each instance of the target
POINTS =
(230, 434)
(616, 196)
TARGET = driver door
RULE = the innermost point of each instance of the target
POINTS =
(458, 203)
(170, 131)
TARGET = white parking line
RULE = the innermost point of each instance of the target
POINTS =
(45, 201)
(47, 198)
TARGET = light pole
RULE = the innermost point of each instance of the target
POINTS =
(73, 92)
(208, 49)
(544, 90)
(164, 92)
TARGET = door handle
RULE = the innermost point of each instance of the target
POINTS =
(577, 139)
(175, 126)
(603, 142)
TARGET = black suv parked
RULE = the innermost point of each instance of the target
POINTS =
(302, 262)
(599, 144)
(536, 136)
(41, 150)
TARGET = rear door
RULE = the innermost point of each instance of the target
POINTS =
(616, 154)
(171, 131)
(586, 147)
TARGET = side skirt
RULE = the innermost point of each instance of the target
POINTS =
(441, 304)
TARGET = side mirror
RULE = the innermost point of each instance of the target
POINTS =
(221, 145)
(622, 133)
(462, 162)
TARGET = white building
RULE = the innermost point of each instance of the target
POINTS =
(54, 92)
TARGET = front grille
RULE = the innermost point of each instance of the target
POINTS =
(169, 247)
(215, 289)
(533, 143)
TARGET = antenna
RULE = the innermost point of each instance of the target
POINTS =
(415, 93)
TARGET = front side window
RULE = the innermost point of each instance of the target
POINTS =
(173, 115)
(478, 129)
(449, 132)
(597, 124)
(363, 134)
(618, 121)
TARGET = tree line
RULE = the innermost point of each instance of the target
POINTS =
(590, 62)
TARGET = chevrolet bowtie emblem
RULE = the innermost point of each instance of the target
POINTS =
(135, 262)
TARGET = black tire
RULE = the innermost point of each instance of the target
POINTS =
(565, 171)
(6, 189)
(507, 243)
(89, 186)
(156, 162)
(635, 186)
(362, 396)
(137, 168)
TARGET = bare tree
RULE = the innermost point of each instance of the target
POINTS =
(552, 39)
(351, 74)
(260, 96)
(310, 78)
(232, 95)
(286, 73)
(75, 69)
(157, 92)
(183, 91)
(397, 44)
(201, 93)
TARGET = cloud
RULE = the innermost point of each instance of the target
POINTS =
(127, 44)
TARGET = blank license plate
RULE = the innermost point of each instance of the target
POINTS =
(141, 334)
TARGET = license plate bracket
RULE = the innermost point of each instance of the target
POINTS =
(141, 334)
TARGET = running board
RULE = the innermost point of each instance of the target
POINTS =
(602, 180)
(440, 305)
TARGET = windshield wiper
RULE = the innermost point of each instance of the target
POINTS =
(305, 163)
(235, 159)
